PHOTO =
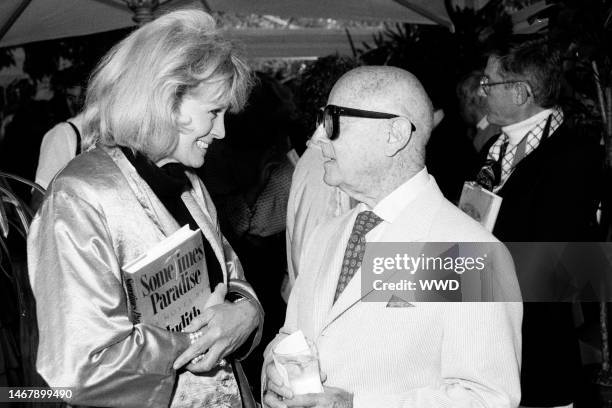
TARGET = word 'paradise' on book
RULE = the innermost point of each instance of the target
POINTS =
(186, 280)
(167, 286)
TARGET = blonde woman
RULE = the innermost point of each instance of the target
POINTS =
(154, 105)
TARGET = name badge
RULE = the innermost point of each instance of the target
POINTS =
(480, 204)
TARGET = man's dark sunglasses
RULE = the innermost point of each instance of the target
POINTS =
(330, 118)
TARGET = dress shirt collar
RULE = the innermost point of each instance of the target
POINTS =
(392, 205)
(517, 131)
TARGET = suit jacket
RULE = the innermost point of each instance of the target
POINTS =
(430, 355)
(551, 196)
(97, 216)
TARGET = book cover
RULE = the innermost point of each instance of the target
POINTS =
(168, 285)
(480, 204)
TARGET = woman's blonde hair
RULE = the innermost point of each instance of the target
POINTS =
(135, 91)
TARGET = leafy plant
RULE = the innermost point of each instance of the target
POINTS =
(18, 323)
(315, 82)
(437, 56)
(584, 31)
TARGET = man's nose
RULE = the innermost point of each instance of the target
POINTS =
(319, 136)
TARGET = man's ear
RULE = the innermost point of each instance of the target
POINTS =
(399, 136)
(521, 93)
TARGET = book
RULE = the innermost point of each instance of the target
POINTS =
(168, 285)
(480, 204)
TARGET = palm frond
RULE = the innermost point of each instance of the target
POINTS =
(23, 212)
(24, 181)
(4, 222)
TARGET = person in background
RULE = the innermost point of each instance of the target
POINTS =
(23, 134)
(449, 158)
(473, 109)
(155, 103)
(59, 145)
(548, 174)
(63, 141)
(17, 93)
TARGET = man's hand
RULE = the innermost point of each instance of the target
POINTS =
(275, 391)
(330, 398)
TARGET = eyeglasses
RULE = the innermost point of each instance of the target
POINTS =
(329, 116)
(486, 85)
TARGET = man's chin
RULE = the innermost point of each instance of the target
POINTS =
(494, 120)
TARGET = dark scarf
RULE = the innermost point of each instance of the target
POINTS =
(168, 183)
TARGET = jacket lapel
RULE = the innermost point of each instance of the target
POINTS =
(411, 225)
(160, 216)
(347, 299)
(152, 206)
(326, 279)
(207, 228)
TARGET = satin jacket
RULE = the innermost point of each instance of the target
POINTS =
(98, 215)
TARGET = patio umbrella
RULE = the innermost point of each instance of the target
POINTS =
(25, 21)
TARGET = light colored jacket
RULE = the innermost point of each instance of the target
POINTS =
(98, 215)
(426, 354)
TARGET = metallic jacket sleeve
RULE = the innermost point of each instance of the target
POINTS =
(86, 338)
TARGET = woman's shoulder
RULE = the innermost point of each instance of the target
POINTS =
(91, 171)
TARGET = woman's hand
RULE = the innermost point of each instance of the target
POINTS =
(224, 327)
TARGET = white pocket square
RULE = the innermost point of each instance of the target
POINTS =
(396, 301)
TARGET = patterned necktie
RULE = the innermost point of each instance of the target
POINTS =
(501, 161)
(491, 172)
(355, 248)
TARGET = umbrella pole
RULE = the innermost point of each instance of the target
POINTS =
(18, 11)
(143, 10)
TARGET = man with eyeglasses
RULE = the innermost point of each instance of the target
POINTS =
(373, 134)
(547, 173)
(311, 200)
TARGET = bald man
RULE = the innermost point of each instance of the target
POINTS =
(392, 354)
